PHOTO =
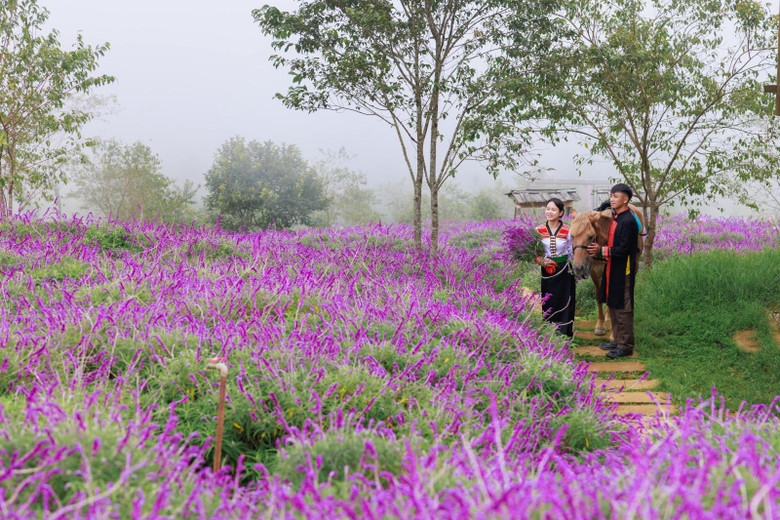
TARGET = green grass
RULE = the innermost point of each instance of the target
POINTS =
(586, 300)
(687, 310)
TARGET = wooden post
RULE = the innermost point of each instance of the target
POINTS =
(216, 364)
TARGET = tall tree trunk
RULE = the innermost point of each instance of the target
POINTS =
(434, 182)
(420, 149)
(434, 217)
(418, 182)
(652, 222)
(2, 188)
(9, 199)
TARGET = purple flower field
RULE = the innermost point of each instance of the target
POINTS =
(366, 380)
(683, 236)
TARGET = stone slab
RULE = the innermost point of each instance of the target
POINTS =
(591, 336)
(617, 366)
(644, 409)
(637, 397)
(584, 324)
(595, 351)
(628, 384)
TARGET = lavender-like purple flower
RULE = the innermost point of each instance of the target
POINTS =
(367, 379)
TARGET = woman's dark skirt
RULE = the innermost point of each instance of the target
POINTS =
(562, 288)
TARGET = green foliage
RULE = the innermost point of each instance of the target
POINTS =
(254, 429)
(476, 239)
(484, 206)
(37, 78)
(125, 181)
(110, 448)
(455, 203)
(541, 376)
(115, 240)
(654, 87)
(10, 260)
(708, 238)
(255, 185)
(688, 308)
(341, 453)
(350, 202)
(586, 299)
(583, 430)
(66, 267)
(411, 65)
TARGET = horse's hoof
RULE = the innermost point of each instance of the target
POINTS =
(599, 332)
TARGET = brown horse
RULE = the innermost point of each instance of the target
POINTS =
(589, 227)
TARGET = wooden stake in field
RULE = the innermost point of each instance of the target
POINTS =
(773, 88)
(217, 364)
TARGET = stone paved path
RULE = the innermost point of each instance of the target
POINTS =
(623, 381)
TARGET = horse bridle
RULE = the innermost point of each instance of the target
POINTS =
(589, 263)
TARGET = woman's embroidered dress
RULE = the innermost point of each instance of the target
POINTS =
(559, 282)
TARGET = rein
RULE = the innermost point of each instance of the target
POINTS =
(589, 261)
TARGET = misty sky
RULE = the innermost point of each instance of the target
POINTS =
(190, 74)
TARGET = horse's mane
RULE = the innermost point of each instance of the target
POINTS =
(580, 223)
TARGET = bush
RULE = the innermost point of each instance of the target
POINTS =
(67, 267)
(584, 431)
(339, 454)
(115, 240)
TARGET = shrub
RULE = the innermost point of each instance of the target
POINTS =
(584, 430)
(66, 267)
(115, 240)
(340, 453)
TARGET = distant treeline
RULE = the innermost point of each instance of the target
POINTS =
(254, 186)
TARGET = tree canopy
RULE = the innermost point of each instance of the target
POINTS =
(433, 70)
(256, 185)
(38, 129)
(126, 182)
(349, 201)
(655, 87)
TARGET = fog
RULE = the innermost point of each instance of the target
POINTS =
(190, 74)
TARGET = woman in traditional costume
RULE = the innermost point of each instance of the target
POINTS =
(557, 279)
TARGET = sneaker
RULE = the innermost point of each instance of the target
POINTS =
(608, 346)
(618, 353)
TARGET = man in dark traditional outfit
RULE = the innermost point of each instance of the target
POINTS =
(617, 289)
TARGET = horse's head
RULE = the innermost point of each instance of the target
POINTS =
(587, 227)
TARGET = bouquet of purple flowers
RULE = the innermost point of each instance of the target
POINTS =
(522, 244)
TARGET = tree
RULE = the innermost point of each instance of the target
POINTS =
(429, 69)
(350, 202)
(658, 88)
(484, 205)
(126, 182)
(455, 203)
(38, 130)
(261, 185)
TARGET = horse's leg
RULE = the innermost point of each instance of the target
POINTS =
(596, 275)
(603, 323)
(601, 326)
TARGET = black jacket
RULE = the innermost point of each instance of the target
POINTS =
(621, 248)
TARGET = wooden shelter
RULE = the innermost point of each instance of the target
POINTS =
(533, 199)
